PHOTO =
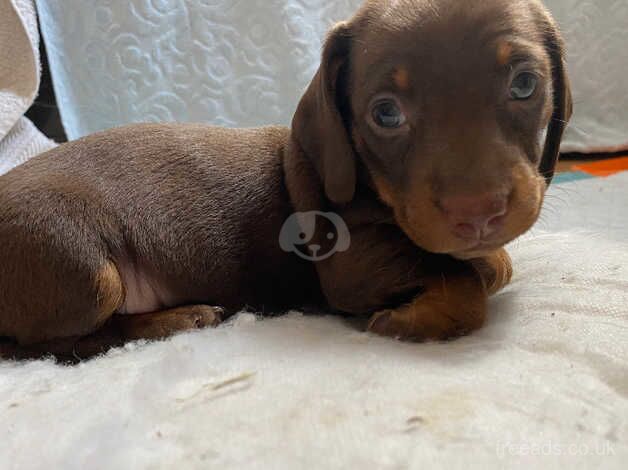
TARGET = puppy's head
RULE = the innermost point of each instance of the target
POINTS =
(451, 111)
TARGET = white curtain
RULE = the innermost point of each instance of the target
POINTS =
(227, 62)
(246, 62)
(597, 40)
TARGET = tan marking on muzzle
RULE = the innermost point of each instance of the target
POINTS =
(401, 78)
(384, 190)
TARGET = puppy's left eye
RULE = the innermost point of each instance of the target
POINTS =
(523, 86)
(387, 114)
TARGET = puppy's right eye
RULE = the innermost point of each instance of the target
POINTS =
(523, 86)
(387, 114)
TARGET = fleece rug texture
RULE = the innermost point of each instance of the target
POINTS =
(543, 385)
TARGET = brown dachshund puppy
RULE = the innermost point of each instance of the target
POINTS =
(430, 131)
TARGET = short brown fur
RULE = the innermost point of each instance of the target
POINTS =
(162, 220)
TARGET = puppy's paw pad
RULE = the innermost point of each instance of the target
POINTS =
(203, 316)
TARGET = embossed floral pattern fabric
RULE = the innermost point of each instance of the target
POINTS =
(246, 62)
(227, 62)
(597, 57)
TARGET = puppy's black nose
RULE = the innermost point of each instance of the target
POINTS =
(473, 217)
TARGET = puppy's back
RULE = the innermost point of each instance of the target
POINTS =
(196, 209)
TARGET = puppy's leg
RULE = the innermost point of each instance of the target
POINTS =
(117, 331)
(450, 306)
(150, 326)
(495, 270)
(45, 298)
(163, 324)
(47, 304)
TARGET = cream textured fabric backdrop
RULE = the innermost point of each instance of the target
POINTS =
(228, 62)
(19, 82)
(597, 40)
(246, 62)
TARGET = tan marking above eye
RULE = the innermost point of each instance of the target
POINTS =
(401, 78)
(504, 51)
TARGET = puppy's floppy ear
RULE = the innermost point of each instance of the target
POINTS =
(563, 104)
(319, 126)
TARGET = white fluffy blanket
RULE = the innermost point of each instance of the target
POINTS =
(545, 384)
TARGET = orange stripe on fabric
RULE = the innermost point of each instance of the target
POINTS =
(604, 167)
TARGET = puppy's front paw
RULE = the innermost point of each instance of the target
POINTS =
(422, 324)
(449, 307)
(495, 270)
